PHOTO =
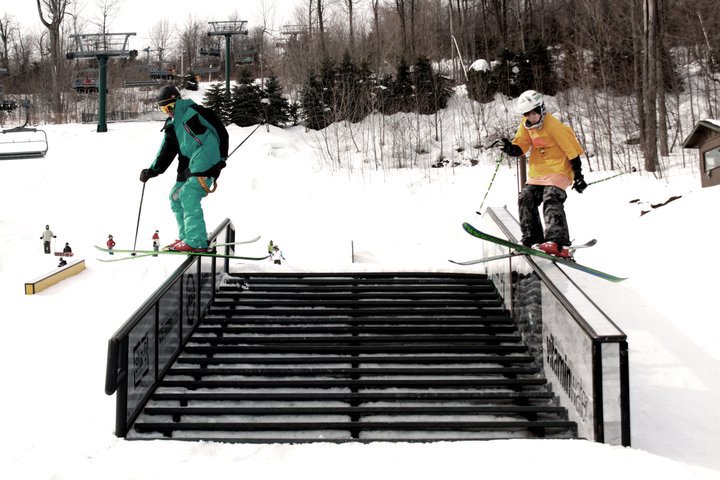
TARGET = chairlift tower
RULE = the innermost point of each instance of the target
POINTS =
(227, 29)
(101, 46)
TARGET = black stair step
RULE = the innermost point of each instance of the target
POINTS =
(235, 309)
(350, 330)
(355, 297)
(411, 288)
(516, 397)
(142, 426)
(375, 410)
(352, 349)
(358, 383)
(354, 339)
(356, 304)
(362, 279)
(391, 359)
(363, 371)
(231, 318)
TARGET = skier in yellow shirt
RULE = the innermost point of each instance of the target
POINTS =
(554, 165)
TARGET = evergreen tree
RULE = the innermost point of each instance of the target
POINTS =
(328, 77)
(345, 88)
(246, 108)
(276, 107)
(216, 100)
(366, 86)
(537, 71)
(384, 95)
(424, 86)
(402, 91)
(482, 85)
(294, 109)
(313, 107)
(505, 73)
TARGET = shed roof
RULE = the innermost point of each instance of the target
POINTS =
(703, 125)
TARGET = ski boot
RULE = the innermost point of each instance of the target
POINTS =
(184, 247)
(552, 248)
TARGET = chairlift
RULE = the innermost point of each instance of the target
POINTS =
(87, 85)
(8, 105)
(23, 141)
(210, 52)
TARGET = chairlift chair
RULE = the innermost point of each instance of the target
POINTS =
(8, 105)
(23, 141)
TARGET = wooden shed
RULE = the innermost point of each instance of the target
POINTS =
(706, 138)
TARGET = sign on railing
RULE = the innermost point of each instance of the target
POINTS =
(147, 344)
(584, 354)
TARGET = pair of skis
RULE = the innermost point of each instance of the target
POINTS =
(132, 254)
(518, 249)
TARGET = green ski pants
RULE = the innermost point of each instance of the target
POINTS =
(185, 200)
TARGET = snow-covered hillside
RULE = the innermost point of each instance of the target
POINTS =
(58, 423)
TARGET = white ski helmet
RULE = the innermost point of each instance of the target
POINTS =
(528, 101)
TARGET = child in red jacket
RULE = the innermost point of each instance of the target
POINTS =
(110, 244)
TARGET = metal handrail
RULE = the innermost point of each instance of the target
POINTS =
(611, 336)
(117, 369)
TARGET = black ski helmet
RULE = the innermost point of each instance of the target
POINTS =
(167, 94)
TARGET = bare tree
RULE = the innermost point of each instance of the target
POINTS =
(6, 29)
(191, 39)
(321, 27)
(650, 83)
(349, 5)
(55, 12)
(376, 24)
(108, 10)
(400, 7)
(160, 37)
(660, 78)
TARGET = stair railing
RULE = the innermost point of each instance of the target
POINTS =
(583, 352)
(142, 350)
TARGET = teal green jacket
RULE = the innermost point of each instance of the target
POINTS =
(200, 143)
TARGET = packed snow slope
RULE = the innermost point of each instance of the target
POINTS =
(58, 423)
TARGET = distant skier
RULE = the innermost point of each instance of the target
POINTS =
(156, 241)
(270, 247)
(62, 262)
(198, 138)
(276, 255)
(554, 165)
(47, 237)
(110, 244)
(67, 248)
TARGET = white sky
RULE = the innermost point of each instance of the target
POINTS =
(140, 15)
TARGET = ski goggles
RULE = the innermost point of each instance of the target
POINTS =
(168, 108)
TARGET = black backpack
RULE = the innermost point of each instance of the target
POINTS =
(217, 124)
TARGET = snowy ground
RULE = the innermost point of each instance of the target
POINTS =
(57, 423)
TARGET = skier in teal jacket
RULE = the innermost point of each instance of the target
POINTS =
(198, 138)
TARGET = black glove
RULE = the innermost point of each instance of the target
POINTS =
(579, 184)
(510, 148)
(147, 174)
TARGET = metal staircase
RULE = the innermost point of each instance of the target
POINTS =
(354, 357)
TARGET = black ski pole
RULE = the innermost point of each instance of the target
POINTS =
(245, 140)
(137, 227)
(612, 176)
